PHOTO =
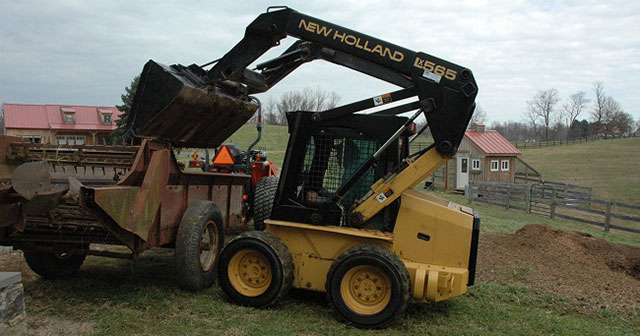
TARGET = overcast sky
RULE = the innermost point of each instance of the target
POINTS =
(86, 52)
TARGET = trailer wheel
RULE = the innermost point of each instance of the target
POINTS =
(200, 239)
(52, 265)
(256, 269)
(263, 201)
(368, 286)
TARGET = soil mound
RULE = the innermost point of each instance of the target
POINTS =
(576, 265)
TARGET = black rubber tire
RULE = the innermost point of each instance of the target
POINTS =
(190, 274)
(385, 261)
(50, 265)
(280, 262)
(263, 201)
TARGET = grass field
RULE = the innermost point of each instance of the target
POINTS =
(611, 167)
(139, 298)
(113, 297)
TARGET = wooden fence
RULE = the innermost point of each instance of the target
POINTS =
(554, 143)
(558, 200)
(525, 173)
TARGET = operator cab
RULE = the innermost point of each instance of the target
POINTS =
(321, 156)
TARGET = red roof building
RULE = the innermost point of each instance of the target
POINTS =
(61, 124)
(483, 155)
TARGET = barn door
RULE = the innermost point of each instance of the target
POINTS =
(462, 173)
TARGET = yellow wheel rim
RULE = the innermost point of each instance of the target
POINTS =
(366, 290)
(208, 247)
(249, 273)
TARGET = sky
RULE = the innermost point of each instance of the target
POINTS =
(86, 52)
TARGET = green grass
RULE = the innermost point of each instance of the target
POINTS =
(274, 140)
(119, 297)
(611, 167)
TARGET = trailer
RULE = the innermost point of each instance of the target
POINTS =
(64, 203)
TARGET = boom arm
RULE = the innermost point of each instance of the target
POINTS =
(451, 87)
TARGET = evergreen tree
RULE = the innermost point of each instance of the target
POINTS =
(119, 134)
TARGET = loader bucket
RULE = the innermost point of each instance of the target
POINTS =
(173, 103)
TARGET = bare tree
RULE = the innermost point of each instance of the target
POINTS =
(479, 116)
(2, 118)
(307, 99)
(542, 108)
(575, 106)
(598, 111)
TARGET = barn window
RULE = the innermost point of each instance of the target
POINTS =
(32, 138)
(494, 165)
(505, 165)
(105, 115)
(475, 164)
(68, 118)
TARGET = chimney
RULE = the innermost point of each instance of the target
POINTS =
(480, 127)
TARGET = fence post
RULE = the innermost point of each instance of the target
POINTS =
(508, 199)
(607, 217)
(554, 200)
(468, 189)
(527, 197)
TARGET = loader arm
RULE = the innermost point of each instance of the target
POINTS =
(450, 87)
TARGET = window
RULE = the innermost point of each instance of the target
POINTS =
(475, 164)
(494, 165)
(464, 163)
(68, 118)
(104, 140)
(70, 139)
(332, 158)
(106, 119)
(504, 165)
(33, 138)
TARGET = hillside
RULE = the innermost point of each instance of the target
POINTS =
(610, 167)
(274, 140)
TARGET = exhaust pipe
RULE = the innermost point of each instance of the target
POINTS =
(175, 104)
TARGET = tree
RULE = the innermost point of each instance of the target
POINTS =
(614, 120)
(119, 134)
(306, 99)
(542, 109)
(575, 106)
(479, 116)
(2, 118)
(598, 111)
(578, 129)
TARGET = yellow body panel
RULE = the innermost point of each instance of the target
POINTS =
(388, 189)
(438, 267)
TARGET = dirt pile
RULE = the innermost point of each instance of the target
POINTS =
(595, 273)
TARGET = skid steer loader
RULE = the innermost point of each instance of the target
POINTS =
(345, 219)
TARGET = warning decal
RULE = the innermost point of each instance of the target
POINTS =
(380, 100)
